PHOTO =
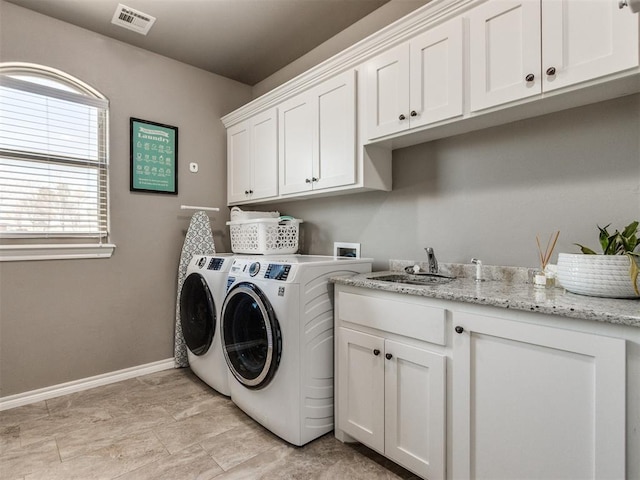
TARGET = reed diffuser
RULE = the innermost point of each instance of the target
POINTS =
(544, 277)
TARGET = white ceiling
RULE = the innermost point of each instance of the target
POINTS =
(246, 40)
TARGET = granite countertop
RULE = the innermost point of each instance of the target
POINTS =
(505, 287)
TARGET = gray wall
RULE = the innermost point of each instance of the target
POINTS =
(67, 320)
(376, 20)
(487, 194)
(484, 194)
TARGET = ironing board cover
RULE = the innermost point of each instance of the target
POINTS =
(198, 241)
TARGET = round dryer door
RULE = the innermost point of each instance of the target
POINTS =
(250, 336)
(197, 314)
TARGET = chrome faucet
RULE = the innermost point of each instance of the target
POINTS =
(478, 264)
(431, 259)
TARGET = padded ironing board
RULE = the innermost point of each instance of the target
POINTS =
(198, 241)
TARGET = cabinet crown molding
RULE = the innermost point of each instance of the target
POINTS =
(399, 31)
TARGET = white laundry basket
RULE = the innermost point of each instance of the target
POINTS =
(265, 236)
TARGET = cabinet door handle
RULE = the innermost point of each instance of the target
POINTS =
(414, 113)
(551, 71)
(459, 329)
(389, 356)
(530, 77)
(401, 117)
(376, 352)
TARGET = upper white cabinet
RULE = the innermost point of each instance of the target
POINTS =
(504, 43)
(252, 158)
(416, 83)
(318, 137)
(448, 68)
(521, 48)
(532, 401)
(584, 40)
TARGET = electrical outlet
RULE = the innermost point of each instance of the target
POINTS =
(341, 249)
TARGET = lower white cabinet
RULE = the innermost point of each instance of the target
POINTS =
(392, 398)
(391, 393)
(452, 390)
(532, 401)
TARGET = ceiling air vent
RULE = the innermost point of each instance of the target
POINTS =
(132, 19)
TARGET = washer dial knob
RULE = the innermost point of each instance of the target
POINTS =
(254, 268)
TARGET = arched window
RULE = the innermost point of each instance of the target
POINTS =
(53, 155)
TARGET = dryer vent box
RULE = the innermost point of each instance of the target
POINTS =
(132, 19)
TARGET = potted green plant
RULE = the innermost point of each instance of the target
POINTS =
(614, 273)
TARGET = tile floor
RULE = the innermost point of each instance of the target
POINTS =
(168, 425)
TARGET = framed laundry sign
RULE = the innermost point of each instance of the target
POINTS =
(154, 157)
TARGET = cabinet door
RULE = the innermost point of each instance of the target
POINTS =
(239, 152)
(585, 40)
(415, 419)
(296, 122)
(388, 92)
(335, 148)
(264, 171)
(436, 74)
(504, 37)
(361, 387)
(536, 402)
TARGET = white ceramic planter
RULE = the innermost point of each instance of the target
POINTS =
(596, 275)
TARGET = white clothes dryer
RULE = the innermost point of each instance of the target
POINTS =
(277, 336)
(201, 299)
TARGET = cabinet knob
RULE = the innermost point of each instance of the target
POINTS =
(307, 180)
(389, 356)
(551, 71)
(376, 352)
(414, 113)
(530, 77)
(250, 192)
(314, 179)
(246, 192)
(459, 329)
(401, 117)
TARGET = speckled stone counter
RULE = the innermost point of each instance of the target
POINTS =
(505, 287)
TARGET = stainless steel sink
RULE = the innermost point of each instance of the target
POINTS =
(422, 279)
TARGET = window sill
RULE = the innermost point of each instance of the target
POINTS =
(16, 253)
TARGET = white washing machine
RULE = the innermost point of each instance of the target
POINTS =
(201, 299)
(277, 336)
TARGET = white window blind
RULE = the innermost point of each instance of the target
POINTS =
(53, 156)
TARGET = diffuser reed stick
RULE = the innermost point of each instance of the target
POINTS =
(551, 244)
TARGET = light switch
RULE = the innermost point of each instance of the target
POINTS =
(193, 167)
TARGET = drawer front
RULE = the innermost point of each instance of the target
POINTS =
(412, 320)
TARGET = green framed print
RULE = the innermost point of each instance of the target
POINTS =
(154, 157)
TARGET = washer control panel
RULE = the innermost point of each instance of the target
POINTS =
(277, 271)
(254, 268)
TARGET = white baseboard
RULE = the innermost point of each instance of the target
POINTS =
(53, 391)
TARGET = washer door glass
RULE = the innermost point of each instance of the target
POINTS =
(197, 314)
(250, 336)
